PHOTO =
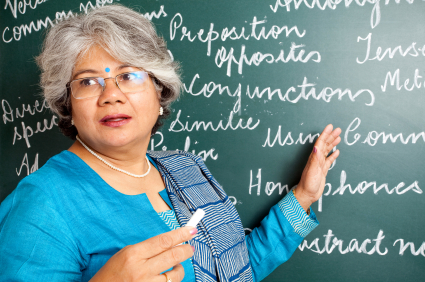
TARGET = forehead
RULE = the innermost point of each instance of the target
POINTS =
(98, 62)
(96, 58)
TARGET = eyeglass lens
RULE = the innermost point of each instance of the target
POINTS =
(93, 86)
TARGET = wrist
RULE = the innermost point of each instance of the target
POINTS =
(302, 199)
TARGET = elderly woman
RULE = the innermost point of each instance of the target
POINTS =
(103, 209)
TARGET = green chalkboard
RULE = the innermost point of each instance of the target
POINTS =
(262, 78)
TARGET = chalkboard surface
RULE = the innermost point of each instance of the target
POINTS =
(262, 79)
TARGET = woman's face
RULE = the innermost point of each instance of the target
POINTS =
(113, 119)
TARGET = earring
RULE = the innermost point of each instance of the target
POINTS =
(161, 111)
(72, 122)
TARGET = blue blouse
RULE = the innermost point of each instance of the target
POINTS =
(63, 222)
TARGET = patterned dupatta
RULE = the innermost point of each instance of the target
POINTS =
(220, 250)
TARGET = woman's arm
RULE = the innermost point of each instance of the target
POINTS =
(278, 236)
(36, 244)
(280, 233)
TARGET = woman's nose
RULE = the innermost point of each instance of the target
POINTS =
(111, 93)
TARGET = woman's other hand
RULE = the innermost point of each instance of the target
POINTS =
(313, 179)
(146, 260)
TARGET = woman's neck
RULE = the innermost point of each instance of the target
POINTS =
(131, 159)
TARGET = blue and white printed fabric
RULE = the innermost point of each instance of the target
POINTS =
(296, 216)
(169, 218)
(220, 250)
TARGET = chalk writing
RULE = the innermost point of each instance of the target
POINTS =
(25, 163)
(363, 186)
(208, 90)
(21, 6)
(374, 137)
(28, 132)
(230, 33)
(258, 185)
(155, 143)
(16, 32)
(389, 53)
(255, 186)
(394, 80)
(9, 114)
(204, 154)
(332, 242)
(156, 15)
(305, 91)
(23, 29)
(295, 54)
(404, 246)
(270, 186)
(235, 202)
(375, 17)
(99, 3)
(178, 126)
(289, 140)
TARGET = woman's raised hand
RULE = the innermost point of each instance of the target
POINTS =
(313, 179)
(146, 260)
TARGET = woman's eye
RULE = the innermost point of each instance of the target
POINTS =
(128, 76)
(87, 82)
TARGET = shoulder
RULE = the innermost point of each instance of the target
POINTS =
(43, 187)
(33, 222)
(36, 198)
(49, 197)
(57, 171)
(57, 166)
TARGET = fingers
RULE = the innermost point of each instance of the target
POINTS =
(146, 260)
(333, 139)
(335, 142)
(326, 142)
(161, 243)
(331, 159)
(328, 139)
(324, 138)
(170, 258)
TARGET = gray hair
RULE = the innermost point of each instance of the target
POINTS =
(126, 35)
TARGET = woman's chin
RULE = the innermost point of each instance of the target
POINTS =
(126, 142)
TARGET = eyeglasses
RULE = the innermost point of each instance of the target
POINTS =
(128, 82)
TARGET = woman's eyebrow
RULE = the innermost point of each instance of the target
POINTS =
(84, 71)
(125, 66)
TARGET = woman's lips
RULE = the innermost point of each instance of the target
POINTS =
(115, 120)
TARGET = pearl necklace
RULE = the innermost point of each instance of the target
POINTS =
(114, 167)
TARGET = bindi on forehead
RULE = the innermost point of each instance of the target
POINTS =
(107, 69)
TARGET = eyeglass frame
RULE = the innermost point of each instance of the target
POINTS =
(68, 85)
